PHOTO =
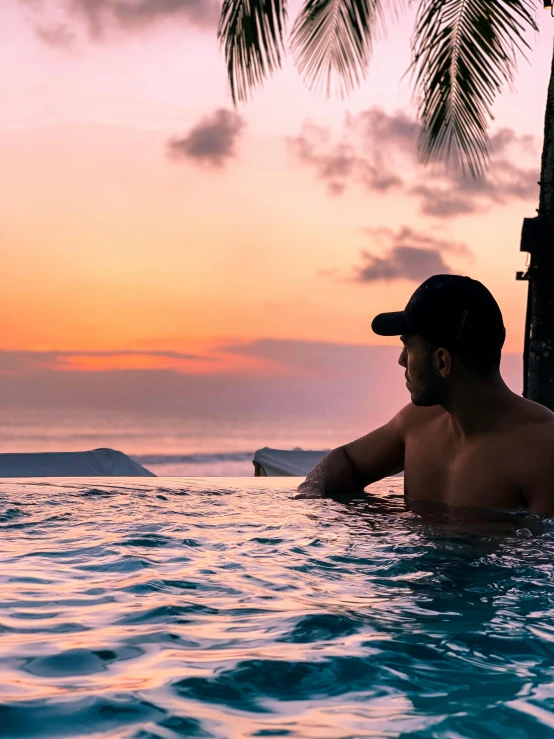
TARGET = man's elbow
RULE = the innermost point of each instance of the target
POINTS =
(333, 475)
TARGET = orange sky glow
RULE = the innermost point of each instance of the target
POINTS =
(122, 247)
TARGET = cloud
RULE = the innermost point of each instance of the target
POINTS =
(401, 263)
(377, 151)
(504, 181)
(59, 21)
(17, 362)
(376, 128)
(326, 382)
(340, 165)
(212, 141)
(132, 15)
(307, 358)
(323, 380)
(441, 203)
(405, 255)
(408, 236)
(61, 36)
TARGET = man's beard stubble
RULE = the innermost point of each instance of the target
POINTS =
(430, 389)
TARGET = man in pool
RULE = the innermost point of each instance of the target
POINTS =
(465, 439)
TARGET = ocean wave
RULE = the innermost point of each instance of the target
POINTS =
(207, 458)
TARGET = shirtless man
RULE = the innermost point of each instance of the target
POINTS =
(465, 439)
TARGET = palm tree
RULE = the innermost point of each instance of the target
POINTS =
(538, 239)
(463, 52)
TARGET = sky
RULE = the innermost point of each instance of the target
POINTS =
(153, 234)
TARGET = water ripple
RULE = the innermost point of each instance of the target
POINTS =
(223, 608)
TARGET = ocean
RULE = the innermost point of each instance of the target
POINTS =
(175, 444)
(214, 435)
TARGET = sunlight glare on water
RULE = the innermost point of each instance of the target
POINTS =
(213, 607)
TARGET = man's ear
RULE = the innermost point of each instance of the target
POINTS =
(443, 362)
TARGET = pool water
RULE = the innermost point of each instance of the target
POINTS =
(221, 607)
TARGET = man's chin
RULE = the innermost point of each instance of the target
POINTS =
(421, 401)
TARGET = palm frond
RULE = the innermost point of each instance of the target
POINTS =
(251, 32)
(332, 42)
(464, 51)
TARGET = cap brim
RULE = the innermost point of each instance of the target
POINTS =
(390, 324)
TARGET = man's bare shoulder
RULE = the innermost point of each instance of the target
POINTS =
(534, 412)
(413, 417)
(531, 421)
(529, 442)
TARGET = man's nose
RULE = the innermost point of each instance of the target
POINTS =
(402, 358)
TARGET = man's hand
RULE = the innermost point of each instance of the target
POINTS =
(307, 491)
(333, 475)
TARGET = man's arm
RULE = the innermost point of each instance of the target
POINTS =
(349, 468)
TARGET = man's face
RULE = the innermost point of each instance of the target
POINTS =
(424, 385)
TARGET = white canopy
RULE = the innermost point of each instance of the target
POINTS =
(96, 463)
(288, 463)
(285, 463)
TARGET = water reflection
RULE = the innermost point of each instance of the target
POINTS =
(130, 612)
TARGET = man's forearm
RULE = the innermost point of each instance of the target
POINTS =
(333, 475)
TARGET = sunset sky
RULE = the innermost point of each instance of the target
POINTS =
(148, 225)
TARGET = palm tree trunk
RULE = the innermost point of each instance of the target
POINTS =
(539, 355)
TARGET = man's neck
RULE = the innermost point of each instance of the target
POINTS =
(478, 404)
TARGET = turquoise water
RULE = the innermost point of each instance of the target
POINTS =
(223, 608)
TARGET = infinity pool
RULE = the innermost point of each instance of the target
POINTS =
(213, 607)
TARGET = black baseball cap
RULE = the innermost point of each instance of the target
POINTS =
(449, 311)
